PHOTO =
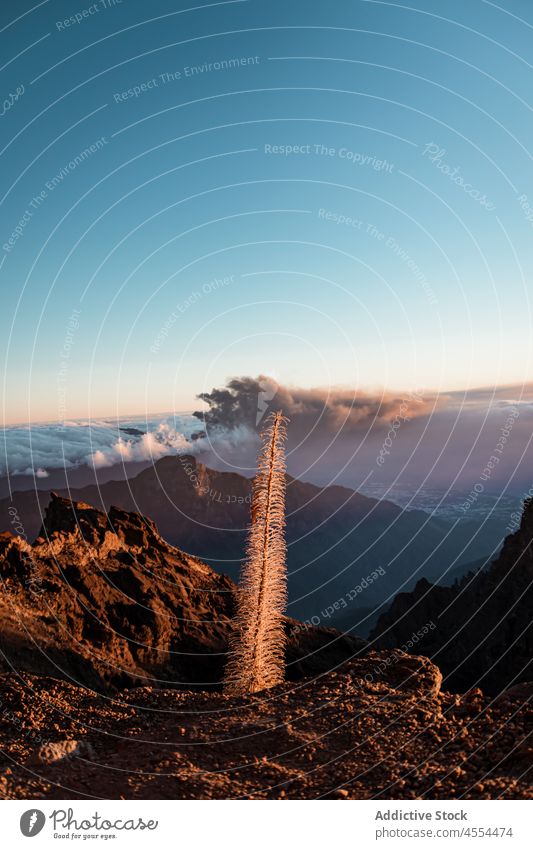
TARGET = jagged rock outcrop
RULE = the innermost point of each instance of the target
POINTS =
(479, 631)
(103, 601)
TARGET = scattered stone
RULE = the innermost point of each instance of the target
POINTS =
(51, 753)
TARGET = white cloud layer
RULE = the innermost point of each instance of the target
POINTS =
(35, 449)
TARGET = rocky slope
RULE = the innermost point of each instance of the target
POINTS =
(483, 634)
(378, 728)
(113, 644)
(336, 536)
(102, 600)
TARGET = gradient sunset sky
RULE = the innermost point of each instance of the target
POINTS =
(175, 241)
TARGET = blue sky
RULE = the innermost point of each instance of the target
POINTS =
(334, 194)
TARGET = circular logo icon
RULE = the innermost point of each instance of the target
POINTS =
(32, 822)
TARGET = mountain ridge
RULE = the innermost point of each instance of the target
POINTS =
(336, 536)
(485, 633)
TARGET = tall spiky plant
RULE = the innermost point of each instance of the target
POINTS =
(257, 646)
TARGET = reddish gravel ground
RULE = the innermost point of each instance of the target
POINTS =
(353, 734)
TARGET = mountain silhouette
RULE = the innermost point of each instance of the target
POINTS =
(483, 635)
(336, 536)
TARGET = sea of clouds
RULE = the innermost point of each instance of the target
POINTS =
(335, 435)
(38, 448)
